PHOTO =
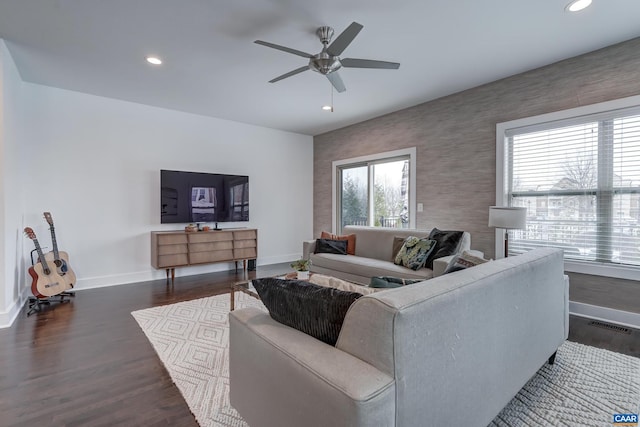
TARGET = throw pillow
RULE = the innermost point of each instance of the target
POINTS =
(397, 245)
(462, 261)
(448, 244)
(414, 252)
(343, 285)
(315, 310)
(391, 282)
(350, 238)
(328, 246)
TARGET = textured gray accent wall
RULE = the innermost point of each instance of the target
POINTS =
(455, 139)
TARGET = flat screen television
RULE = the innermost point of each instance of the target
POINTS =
(188, 197)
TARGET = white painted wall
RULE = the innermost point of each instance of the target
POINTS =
(95, 162)
(12, 172)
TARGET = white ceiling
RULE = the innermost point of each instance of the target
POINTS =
(213, 68)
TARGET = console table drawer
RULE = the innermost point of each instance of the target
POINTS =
(210, 236)
(246, 253)
(245, 244)
(211, 246)
(245, 235)
(172, 249)
(172, 239)
(206, 257)
(172, 260)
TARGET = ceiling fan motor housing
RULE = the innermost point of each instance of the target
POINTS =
(324, 63)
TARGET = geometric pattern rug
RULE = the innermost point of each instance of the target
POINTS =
(584, 387)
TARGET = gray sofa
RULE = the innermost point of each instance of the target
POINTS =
(373, 256)
(453, 350)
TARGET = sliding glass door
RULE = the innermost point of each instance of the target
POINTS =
(375, 193)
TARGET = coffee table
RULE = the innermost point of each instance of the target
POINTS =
(244, 286)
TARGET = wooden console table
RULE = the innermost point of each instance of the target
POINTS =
(171, 249)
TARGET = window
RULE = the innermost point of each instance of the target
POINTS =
(579, 178)
(375, 190)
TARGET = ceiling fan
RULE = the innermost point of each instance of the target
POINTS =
(328, 61)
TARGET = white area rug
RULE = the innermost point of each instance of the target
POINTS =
(585, 387)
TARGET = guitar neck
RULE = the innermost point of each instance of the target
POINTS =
(45, 265)
(54, 242)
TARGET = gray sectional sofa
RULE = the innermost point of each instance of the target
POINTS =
(373, 256)
(450, 351)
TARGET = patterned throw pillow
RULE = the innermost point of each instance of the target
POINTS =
(414, 252)
(462, 261)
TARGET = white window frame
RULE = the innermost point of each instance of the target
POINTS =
(337, 164)
(585, 267)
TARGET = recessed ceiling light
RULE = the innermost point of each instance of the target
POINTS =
(327, 108)
(154, 60)
(577, 5)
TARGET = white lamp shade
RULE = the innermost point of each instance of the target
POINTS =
(507, 217)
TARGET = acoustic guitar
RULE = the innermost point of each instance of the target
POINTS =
(46, 280)
(59, 258)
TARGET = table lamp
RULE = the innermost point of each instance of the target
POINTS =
(508, 218)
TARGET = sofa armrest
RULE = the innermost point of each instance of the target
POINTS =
(311, 383)
(308, 247)
(440, 264)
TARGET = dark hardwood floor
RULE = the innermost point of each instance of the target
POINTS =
(88, 363)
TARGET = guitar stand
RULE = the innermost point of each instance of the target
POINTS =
(37, 304)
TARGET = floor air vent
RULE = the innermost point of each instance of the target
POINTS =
(609, 326)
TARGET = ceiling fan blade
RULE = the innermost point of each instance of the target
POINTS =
(368, 63)
(284, 49)
(336, 81)
(344, 39)
(290, 73)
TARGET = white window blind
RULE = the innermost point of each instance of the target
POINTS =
(579, 180)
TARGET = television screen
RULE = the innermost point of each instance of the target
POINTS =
(203, 197)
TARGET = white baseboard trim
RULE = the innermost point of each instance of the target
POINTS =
(144, 276)
(9, 316)
(611, 315)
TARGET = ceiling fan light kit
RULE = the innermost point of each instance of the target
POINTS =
(577, 5)
(328, 61)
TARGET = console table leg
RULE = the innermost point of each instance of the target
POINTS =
(244, 265)
(173, 274)
(232, 306)
(167, 272)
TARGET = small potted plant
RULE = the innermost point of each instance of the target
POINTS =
(302, 267)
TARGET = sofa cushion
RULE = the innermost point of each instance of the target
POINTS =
(377, 242)
(365, 267)
(350, 238)
(414, 252)
(330, 246)
(315, 310)
(448, 244)
(462, 261)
